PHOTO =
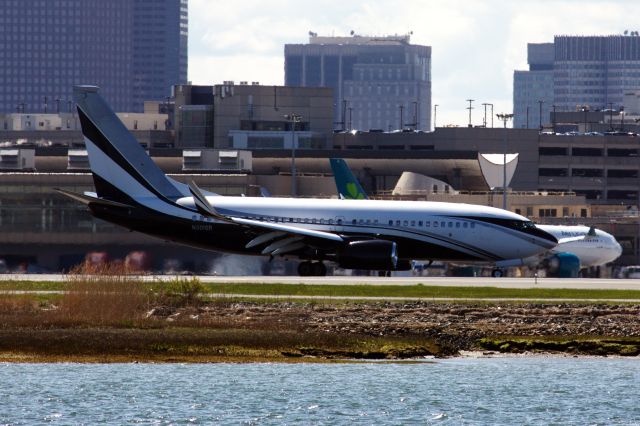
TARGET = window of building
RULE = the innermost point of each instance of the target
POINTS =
(547, 213)
(551, 171)
(586, 152)
(586, 172)
(622, 173)
(552, 150)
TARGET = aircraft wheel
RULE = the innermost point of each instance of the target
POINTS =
(497, 273)
(319, 269)
(305, 269)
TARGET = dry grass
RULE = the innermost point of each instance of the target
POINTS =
(107, 314)
(105, 295)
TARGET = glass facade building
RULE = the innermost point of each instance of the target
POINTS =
(135, 50)
(378, 82)
(575, 72)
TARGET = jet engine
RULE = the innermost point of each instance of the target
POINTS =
(563, 265)
(371, 254)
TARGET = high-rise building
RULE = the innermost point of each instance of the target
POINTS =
(585, 72)
(379, 82)
(135, 50)
(533, 89)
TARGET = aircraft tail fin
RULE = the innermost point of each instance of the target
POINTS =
(348, 186)
(122, 170)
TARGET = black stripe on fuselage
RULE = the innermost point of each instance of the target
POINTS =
(514, 225)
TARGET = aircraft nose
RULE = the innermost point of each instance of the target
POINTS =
(618, 249)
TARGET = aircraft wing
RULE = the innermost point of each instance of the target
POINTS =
(280, 238)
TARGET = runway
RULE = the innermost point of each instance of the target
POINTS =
(569, 283)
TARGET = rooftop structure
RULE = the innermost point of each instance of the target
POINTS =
(378, 82)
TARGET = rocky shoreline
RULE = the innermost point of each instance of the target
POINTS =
(598, 329)
(234, 331)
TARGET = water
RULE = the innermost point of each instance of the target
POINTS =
(456, 391)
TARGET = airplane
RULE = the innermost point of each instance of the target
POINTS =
(132, 191)
(579, 246)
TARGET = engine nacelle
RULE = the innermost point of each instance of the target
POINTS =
(563, 265)
(371, 254)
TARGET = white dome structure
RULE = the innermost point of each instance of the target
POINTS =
(414, 183)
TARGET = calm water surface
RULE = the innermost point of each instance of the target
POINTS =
(454, 391)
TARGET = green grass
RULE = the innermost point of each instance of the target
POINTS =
(360, 290)
(32, 285)
(418, 291)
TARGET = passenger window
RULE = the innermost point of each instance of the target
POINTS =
(443, 224)
(375, 221)
(419, 223)
(457, 224)
(465, 225)
(361, 221)
(427, 224)
(450, 224)
(290, 219)
(473, 225)
(391, 223)
(435, 224)
(405, 223)
(330, 221)
(413, 223)
(368, 221)
(397, 223)
(353, 222)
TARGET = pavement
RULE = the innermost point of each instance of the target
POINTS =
(569, 283)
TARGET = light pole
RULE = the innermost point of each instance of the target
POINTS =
(540, 102)
(470, 108)
(491, 105)
(504, 118)
(611, 116)
(293, 118)
(485, 114)
(435, 115)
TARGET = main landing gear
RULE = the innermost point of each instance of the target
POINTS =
(312, 269)
(497, 273)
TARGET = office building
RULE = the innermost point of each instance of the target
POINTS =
(378, 82)
(533, 89)
(587, 73)
(252, 116)
(135, 50)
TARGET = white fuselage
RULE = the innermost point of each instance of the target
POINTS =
(476, 231)
(592, 250)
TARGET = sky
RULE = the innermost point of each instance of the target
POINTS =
(476, 44)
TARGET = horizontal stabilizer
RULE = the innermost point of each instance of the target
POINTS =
(88, 199)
